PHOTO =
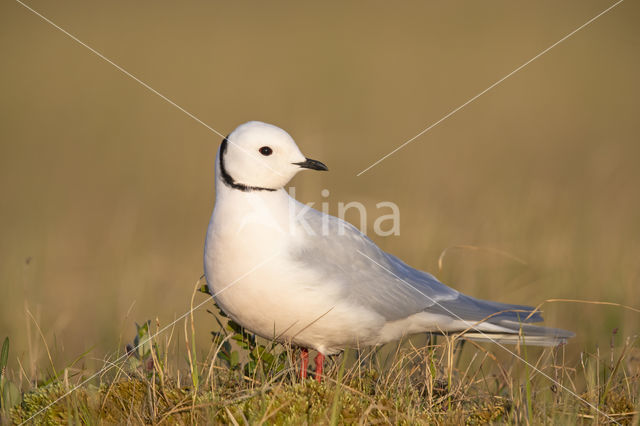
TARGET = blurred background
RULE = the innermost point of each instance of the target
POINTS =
(106, 189)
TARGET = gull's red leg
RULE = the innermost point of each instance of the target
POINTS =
(319, 365)
(304, 362)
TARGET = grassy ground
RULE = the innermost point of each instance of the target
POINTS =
(244, 380)
(106, 192)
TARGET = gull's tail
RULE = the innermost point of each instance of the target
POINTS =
(524, 334)
(503, 323)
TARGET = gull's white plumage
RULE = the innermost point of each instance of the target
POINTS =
(291, 273)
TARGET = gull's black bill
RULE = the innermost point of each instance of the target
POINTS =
(312, 164)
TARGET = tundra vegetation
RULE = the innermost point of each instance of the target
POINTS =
(244, 379)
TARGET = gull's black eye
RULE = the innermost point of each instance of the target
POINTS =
(265, 150)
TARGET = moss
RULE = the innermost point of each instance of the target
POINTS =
(46, 406)
(618, 402)
(489, 411)
(138, 400)
(403, 396)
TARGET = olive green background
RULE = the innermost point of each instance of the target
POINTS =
(106, 189)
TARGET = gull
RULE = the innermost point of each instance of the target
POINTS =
(293, 274)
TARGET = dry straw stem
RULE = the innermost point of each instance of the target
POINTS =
(210, 377)
(115, 380)
(477, 248)
(193, 362)
(157, 367)
(44, 340)
(589, 302)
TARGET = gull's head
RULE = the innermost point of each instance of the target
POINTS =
(261, 156)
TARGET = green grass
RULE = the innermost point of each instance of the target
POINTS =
(246, 380)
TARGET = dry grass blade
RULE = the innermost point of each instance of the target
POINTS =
(588, 302)
(477, 248)
(44, 341)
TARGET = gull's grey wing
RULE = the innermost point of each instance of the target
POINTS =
(383, 283)
(341, 253)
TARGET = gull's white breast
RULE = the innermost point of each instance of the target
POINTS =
(256, 281)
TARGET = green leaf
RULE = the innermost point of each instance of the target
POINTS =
(11, 395)
(234, 359)
(250, 368)
(268, 358)
(142, 342)
(4, 355)
(243, 344)
(204, 288)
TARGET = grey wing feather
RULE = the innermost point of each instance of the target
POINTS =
(383, 283)
(370, 277)
(472, 309)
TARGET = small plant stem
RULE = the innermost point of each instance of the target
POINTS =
(193, 362)
(4, 357)
(527, 384)
(53, 367)
(335, 406)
